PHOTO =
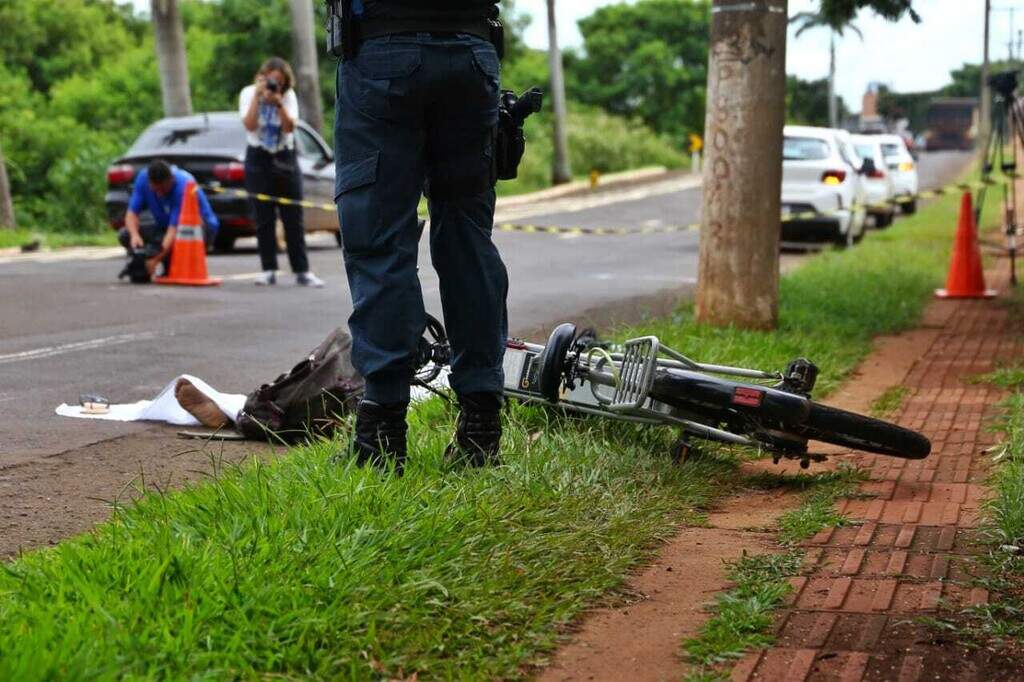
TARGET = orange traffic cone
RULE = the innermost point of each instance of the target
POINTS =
(188, 255)
(966, 278)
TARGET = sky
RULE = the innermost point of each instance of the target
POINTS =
(906, 56)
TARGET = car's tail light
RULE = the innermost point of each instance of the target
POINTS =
(906, 166)
(877, 174)
(833, 177)
(120, 175)
(229, 172)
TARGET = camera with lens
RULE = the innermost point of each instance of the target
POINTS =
(136, 269)
(1005, 83)
(272, 85)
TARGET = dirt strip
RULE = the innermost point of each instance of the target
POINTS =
(856, 612)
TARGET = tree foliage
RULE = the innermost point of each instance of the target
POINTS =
(646, 60)
(79, 81)
(807, 102)
(839, 12)
(50, 40)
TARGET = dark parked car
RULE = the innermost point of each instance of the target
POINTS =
(212, 148)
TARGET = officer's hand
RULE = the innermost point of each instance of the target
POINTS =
(261, 84)
(272, 98)
(136, 241)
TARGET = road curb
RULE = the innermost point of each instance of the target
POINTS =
(608, 181)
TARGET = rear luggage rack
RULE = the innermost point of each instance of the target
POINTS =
(636, 374)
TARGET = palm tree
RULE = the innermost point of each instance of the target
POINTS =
(304, 59)
(561, 171)
(811, 20)
(6, 205)
(170, 55)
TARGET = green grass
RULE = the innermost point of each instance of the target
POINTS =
(1001, 570)
(55, 240)
(1004, 513)
(1008, 376)
(832, 306)
(743, 616)
(889, 402)
(303, 569)
(817, 508)
(888, 280)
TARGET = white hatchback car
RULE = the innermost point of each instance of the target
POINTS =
(823, 192)
(903, 170)
(877, 180)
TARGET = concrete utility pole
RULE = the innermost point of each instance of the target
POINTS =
(833, 103)
(304, 60)
(561, 171)
(6, 204)
(170, 55)
(1009, 43)
(738, 281)
(985, 106)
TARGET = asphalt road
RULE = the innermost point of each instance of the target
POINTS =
(68, 327)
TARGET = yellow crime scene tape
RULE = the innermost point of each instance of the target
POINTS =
(660, 229)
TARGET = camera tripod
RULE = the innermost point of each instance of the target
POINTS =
(1007, 128)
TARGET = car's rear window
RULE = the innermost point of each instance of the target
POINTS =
(865, 151)
(890, 149)
(804, 149)
(177, 139)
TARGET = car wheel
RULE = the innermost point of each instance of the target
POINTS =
(224, 243)
(910, 207)
(842, 239)
(883, 221)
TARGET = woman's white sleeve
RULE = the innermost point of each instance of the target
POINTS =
(244, 100)
(291, 104)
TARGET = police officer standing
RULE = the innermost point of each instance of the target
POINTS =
(417, 106)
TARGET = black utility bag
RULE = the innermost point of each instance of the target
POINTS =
(309, 401)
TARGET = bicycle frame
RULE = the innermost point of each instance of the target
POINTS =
(522, 381)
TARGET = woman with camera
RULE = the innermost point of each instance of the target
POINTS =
(269, 110)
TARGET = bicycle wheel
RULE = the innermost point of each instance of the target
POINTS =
(839, 427)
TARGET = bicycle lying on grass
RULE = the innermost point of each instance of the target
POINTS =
(649, 383)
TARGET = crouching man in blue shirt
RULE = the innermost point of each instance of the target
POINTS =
(159, 190)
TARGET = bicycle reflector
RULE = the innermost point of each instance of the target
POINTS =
(747, 397)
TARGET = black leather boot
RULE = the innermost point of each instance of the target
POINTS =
(477, 431)
(380, 435)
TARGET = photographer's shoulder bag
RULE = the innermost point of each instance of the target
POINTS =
(309, 401)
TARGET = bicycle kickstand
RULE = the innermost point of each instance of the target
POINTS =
(683, 449)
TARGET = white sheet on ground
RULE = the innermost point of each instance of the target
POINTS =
(163, 408)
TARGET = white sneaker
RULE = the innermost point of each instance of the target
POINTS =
(266, 278)
(308, 279)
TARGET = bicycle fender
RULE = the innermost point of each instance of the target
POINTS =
(694, 390)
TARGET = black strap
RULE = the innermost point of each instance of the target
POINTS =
(377, 28)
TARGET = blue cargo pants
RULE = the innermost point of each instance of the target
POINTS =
(416, 112)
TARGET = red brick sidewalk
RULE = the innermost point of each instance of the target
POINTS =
(851, 616)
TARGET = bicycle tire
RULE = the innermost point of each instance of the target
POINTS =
(848, 429)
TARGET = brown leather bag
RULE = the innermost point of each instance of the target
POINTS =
(309, 401)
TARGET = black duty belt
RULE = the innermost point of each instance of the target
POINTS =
(378, 28)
